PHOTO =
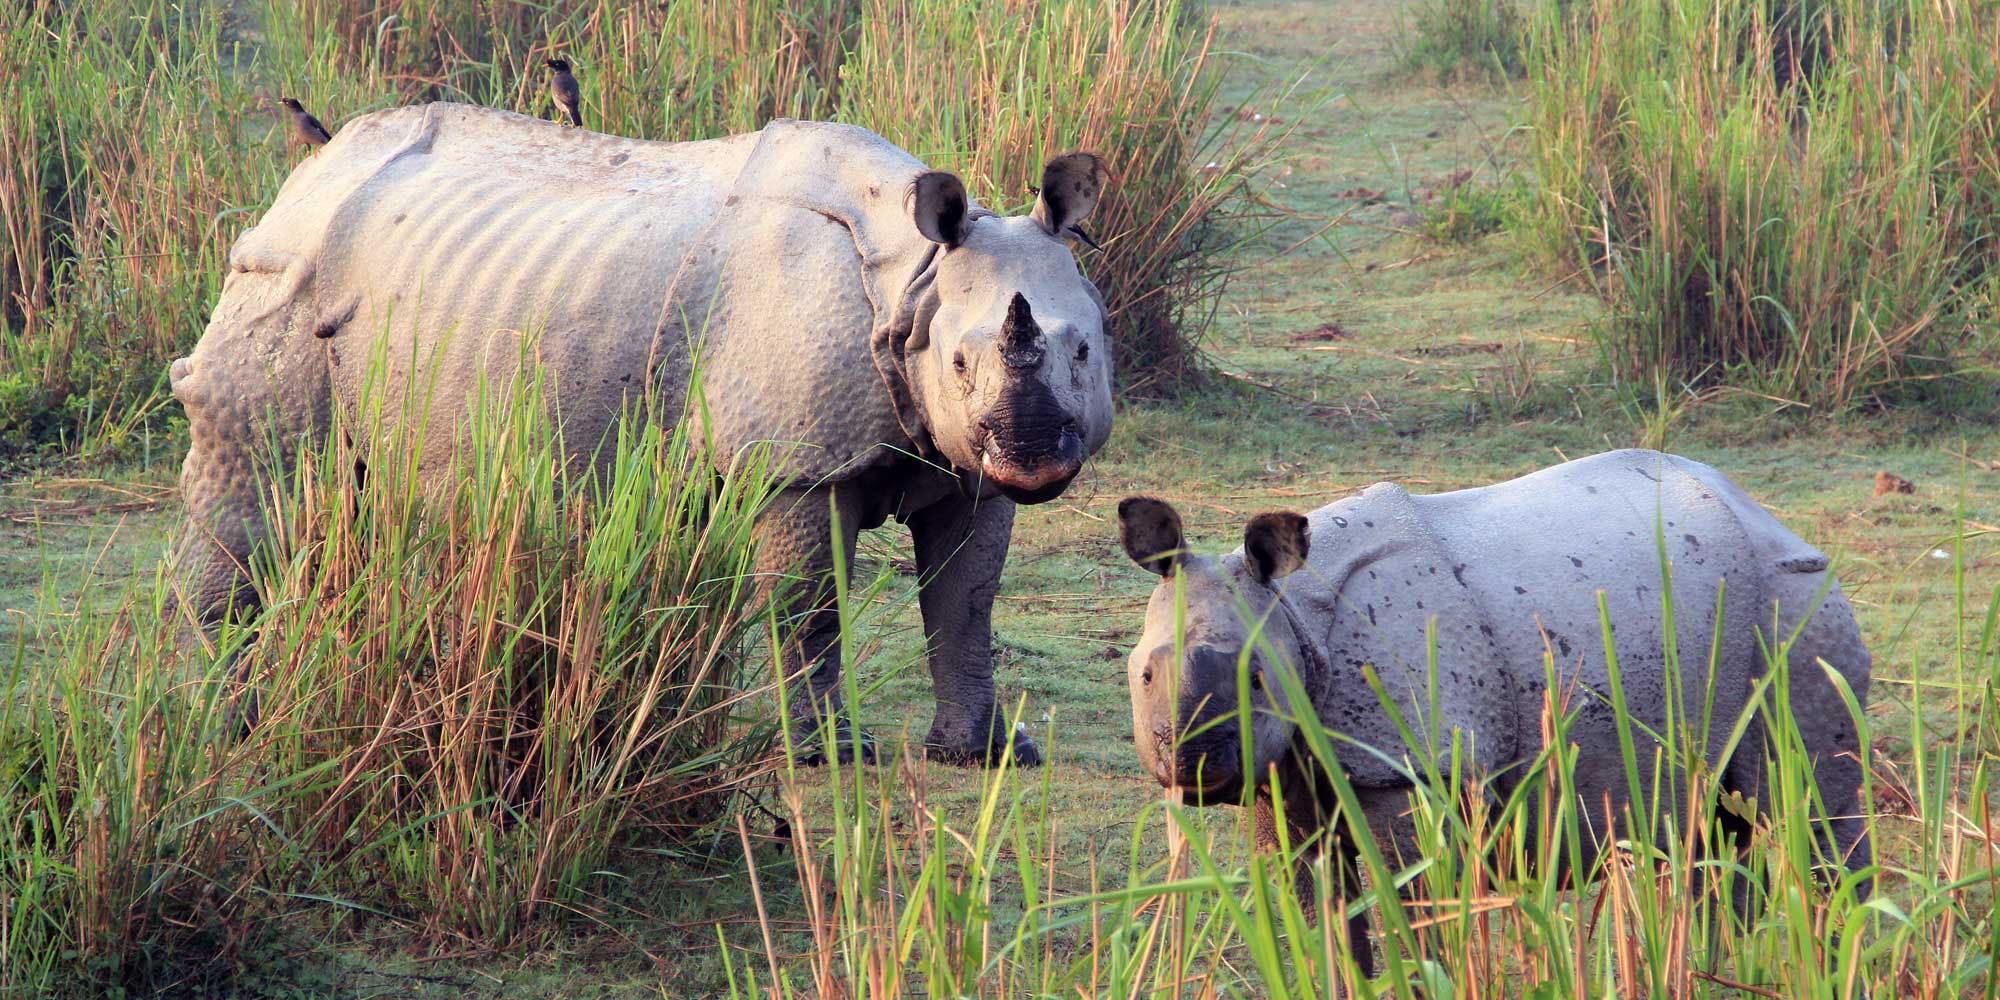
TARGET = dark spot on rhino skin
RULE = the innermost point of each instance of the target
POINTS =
(1562, 645)
(400, 216)
(1341, 522)
(874, 191)
(1641, 470)
(1518, 589)
(620, 158)
(1420, 605)
(627, 377)
(1486, 630)
(1369, 524)
(1458, 573)
(1371, 614)
(1589, 488)
(731, 200)
(1574, 561)
(1433, 570)
(1371, 574)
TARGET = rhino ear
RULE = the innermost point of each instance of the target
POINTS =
(1150, 530)
(1275, 544)
(940, 207)
(1071, 184)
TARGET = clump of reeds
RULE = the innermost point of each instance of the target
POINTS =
(1464, 39)
(468, 692)
(1794, 198)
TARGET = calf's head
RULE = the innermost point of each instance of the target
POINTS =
(1005, 355)
(1215, 643)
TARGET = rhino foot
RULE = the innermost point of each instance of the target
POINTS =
(982, 752)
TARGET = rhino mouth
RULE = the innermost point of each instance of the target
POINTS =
(1030, 476)
(1201, 772)
(1227, 790)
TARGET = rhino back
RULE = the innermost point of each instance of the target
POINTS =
(1513, 572)
(445, 245)
(1539, 553)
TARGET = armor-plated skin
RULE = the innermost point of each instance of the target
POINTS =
(1503, 574)
(914, 356)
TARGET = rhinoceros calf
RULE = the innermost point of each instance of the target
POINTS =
(1504, 573)
(920, 357)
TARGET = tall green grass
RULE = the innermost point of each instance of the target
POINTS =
(138, 141)
(469, 695)
(1510, 897)
(1793, 198)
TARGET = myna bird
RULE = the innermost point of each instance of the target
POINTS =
(562, 87)
(304, 125)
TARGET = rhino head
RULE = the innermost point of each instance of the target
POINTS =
(1003, 350)
(1214, 638)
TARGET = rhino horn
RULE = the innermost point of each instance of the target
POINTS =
(1020, 336)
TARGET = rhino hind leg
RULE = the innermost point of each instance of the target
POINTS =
(795, 562)
(1825, 725)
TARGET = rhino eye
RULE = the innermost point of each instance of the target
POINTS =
(1083, 352)
(1146, 676)
(958, 361)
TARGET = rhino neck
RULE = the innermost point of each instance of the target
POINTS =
(1314, 675)
(909, 324)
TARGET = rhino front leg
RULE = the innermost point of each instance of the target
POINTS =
(795, 548)
(251, 400)
(961, 546)
(1306, 815)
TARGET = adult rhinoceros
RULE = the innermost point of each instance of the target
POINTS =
(1502, 576)
(930, 361)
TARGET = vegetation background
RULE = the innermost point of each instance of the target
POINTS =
(1438, 242)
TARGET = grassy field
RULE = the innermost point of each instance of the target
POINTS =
(1353, 347)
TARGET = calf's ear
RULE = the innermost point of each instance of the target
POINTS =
(1071, 184)
(1150, 530)
(939, 207)
(1275, 544)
